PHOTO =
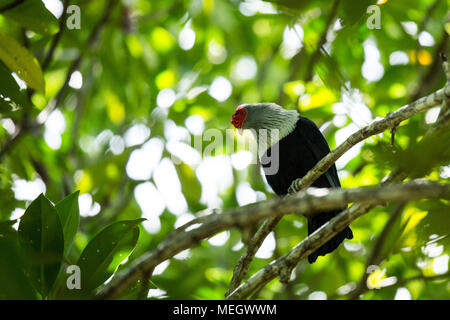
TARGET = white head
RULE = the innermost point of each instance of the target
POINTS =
(265, 116)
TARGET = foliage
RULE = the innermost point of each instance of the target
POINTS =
(122, 98)
(36, 252)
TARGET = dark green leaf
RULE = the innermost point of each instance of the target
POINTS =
(10, 89)
(41, 238)
(6, 227)
(13, 281)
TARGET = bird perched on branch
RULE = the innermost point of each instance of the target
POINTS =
(289, 146)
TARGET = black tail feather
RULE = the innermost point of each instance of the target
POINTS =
(318, 220)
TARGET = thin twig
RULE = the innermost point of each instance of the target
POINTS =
(143, 290)
(241, 268)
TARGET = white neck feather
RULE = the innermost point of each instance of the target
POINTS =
(280, 128)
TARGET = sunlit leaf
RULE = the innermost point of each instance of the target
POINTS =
(21, 61)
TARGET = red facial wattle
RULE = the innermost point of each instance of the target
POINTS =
(238, 118)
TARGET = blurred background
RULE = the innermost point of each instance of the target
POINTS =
(141, 82)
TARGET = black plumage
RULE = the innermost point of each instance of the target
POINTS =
(299, 151)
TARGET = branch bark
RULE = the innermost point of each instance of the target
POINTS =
(308, 202)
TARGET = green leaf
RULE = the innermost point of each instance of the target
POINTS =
(103, 254)
(34, 16)
(10, 89)
(69, 214)
(329, 72)
(22, 62)
(42, 241)
(13, 281)
(6, 227)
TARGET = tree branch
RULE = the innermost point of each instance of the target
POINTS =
(308, 202)
(285, 271)
(376, 127)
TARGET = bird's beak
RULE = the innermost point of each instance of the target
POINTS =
(241, 131)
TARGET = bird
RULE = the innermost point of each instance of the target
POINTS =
(289, 145)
